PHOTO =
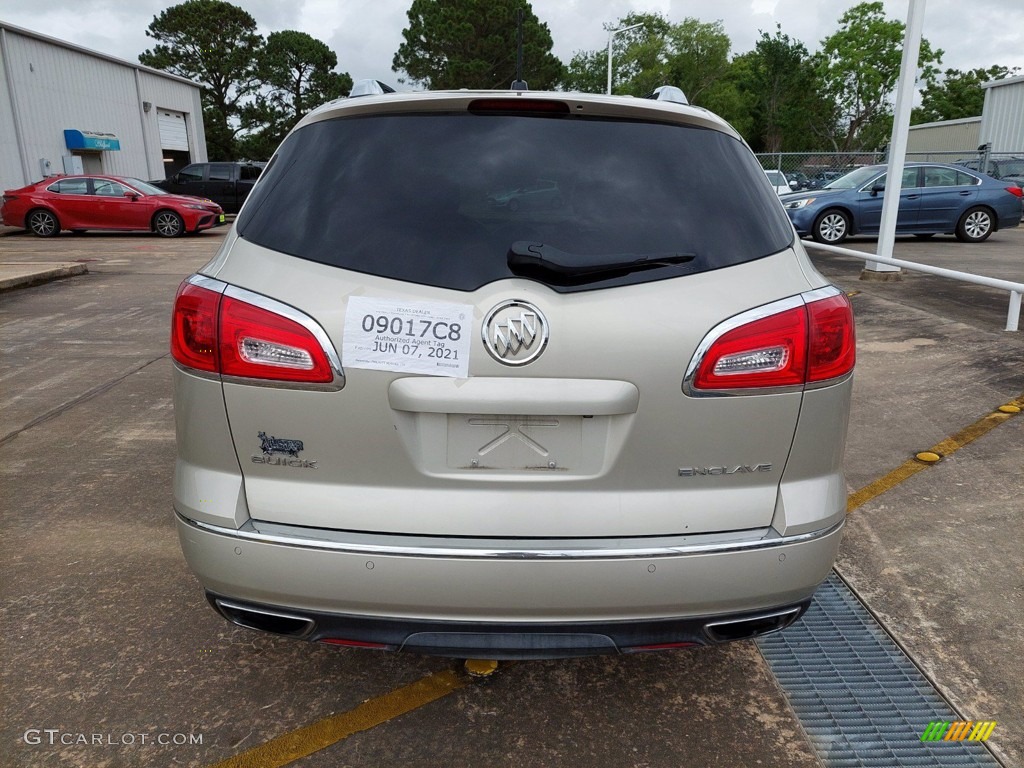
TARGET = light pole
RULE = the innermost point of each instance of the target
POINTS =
(611, 34)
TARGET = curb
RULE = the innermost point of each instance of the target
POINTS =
(27, 275)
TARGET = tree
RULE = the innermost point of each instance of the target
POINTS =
(698, 56)
(213, 43)
(957, 94)
(297, 74)
(781, 81)
(638, 55)
(859, 66)
(691, 55)
(472, 44)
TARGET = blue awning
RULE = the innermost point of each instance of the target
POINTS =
(106, 142)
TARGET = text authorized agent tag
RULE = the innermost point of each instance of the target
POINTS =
(408, 336)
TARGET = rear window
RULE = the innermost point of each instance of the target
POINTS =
(439, 199)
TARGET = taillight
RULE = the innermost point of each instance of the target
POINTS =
(1016, 191)
(259, 344)
(194, 327)
(769, 352)
(218, 332)
(518, 105)
(832, 347)
(800, 344)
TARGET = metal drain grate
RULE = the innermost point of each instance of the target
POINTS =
(861, 701)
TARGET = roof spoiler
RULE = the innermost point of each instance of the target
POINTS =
(668, 93)
(370, 87)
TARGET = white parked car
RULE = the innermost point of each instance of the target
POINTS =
(779, 181)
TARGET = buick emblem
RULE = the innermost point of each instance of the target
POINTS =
(515, 332)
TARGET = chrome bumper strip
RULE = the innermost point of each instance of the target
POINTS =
(471, 551)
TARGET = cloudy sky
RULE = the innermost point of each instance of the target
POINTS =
(366, 33)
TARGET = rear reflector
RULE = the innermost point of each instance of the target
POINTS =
(803, 344)
(658, 647)
(219, 333)
(355, 643)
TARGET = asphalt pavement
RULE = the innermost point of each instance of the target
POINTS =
(106, 636)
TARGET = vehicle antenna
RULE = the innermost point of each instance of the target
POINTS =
(519, 84)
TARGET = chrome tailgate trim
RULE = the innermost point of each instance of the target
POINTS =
(768, 538)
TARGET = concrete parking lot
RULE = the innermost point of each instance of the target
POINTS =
(112, 658)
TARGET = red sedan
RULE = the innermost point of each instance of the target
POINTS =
(79, 203)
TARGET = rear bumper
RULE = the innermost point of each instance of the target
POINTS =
(506, 640)
(524, 603)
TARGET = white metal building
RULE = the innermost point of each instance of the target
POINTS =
(1002, 120)
(944, 136)
(64, 109)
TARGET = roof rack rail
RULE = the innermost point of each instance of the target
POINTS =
(668, 93)
(370, 87)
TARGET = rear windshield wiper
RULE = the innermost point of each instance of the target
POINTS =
(528, 255)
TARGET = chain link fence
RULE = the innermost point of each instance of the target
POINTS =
(811, 170)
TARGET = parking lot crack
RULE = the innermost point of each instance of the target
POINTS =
(76, 401)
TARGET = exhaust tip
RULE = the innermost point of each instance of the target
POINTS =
(751, 626)
(265, 620)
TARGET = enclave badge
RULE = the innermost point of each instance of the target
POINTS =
(737, 470)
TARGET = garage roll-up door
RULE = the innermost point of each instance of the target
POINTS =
(172, 130)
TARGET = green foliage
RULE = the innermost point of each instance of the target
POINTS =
(472, 44)
(585, 72)
(859, 68)
(729, 99)
(697, 57)
(297, 74)
(780, 79)
(692, 55)
(957, 94)
(213, 43)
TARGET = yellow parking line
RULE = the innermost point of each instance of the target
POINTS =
(305, 741)
(948, 446)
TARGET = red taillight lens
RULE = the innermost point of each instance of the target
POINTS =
(519, 105)
(1016, 191)
(194, 327)
(658, 647)
(222, 334)
(770, 352)
(356, 643)
(260, 344)
(813, 342)
(832, 346)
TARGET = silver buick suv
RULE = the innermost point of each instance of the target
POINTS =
(511, 375)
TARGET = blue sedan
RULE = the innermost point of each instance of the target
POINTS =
(935, 199)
